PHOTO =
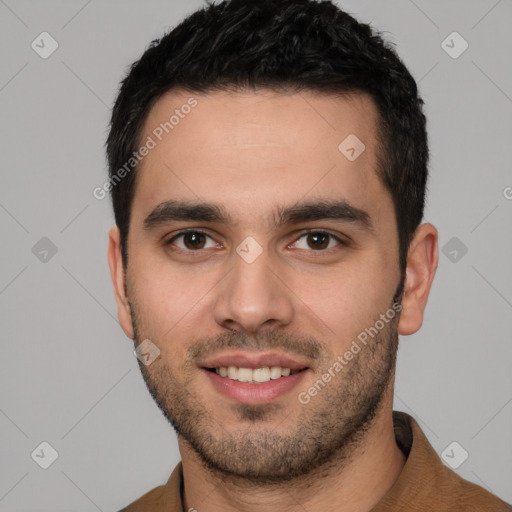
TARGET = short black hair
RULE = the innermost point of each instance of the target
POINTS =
(282, 45)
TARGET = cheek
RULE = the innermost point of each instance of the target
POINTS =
(163, 308)
(168, 297)
(348, 299)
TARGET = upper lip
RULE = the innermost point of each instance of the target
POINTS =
(253, 360)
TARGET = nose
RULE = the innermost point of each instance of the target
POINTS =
(253, 296)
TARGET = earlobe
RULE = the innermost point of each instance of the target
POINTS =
(422, 262)
(117, 274)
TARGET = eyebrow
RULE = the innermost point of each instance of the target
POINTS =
(340, 210)
(170, 211)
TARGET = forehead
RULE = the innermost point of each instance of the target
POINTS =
(253, 150)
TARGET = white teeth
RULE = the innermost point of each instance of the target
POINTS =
(245, 375)
(261, 374)
(275, 372)
(233, 372)
(264, 374)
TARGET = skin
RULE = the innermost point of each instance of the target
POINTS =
(252, 153)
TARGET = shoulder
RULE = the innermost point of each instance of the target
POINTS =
(149, 501)
(164, 498)
(426, 483)
(469, 496)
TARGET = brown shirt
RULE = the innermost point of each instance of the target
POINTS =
(425, 483)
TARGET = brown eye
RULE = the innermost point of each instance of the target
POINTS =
(318, 240)
(192, 241)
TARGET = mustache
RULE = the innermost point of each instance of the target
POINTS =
(266, 340)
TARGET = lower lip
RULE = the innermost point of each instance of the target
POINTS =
(254, 394)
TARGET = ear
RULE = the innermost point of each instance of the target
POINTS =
(422, 261)
(117, 273)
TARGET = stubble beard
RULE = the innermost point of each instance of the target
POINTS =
(326, 432)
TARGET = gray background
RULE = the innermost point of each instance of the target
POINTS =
(69, 376)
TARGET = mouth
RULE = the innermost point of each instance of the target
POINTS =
(254, 378)
(253, 375)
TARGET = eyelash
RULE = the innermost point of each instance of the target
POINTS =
(302, 234)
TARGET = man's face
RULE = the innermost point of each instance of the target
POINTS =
(290, 252)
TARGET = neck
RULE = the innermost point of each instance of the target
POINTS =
(355, 483)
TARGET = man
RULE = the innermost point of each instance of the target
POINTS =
(268, 165)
